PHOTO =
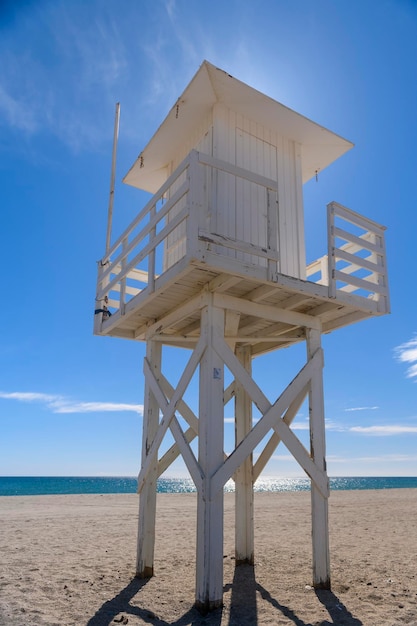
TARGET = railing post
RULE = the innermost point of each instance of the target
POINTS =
(195, 203)
(324, 270)
(381, 279)
(272, 231)
(101, 302)
(151, 259)
(331, 250)
(98, 316)
(244, 529)
(122, 301)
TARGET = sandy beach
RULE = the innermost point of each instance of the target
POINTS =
(69, 560)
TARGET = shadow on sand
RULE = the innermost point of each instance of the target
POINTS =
(243, 603)
(243, 608)
(118, 609)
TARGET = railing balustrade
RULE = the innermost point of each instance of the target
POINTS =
(356, 259)
(174, 224)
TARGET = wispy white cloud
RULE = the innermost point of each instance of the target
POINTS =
(300, 426)
(363, 408)
(384, 430)
(28, 396)
(17, 114)
(172, 53)
(61, 404)
(96, 407)
(407, 353)
(69, 90)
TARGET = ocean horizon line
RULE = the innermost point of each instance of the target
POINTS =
(73, 485)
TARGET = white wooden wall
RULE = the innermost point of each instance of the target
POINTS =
(201, 140)
(237, 208)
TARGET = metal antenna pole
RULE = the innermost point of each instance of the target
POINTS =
(113, 174)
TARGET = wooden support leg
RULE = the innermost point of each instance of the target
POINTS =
(147, 498)
(319, 504)
(209, 567)
(244, 539)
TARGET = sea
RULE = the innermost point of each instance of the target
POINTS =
(61, 485)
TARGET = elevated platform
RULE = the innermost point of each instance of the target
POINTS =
(271, 314)
(153, 282)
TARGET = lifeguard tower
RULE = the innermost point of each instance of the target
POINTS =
(215, 263)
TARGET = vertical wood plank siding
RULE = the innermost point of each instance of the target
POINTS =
(237, 208)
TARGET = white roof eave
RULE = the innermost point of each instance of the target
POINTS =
(319, 146)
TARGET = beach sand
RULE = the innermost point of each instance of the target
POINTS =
(69, 560)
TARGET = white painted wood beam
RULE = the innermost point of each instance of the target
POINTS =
(168, 410)
(252, 341)
(209, 568)
(237, 244)
(231, 325)
(187, 454)
(241, 374)
(350, 318)
(270, 419)
(360, 283)
(223, 282)
(272, 313)
(182, 407)
(229, 392)
(355, 218)
(176, 340)
(292, 302)
(240, 172)
(319, 499)
(178, 314)
(260, 293)
(173, 452)
(244, 531)
(294, 445)
(192, 330)
(192, 432)
(275, 439)
(274, 330)
(147, 499)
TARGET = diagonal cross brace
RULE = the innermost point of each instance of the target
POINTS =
(189, 416)
(182, 407)
(275, 439)
(187, 454)
(168, 409)
(173, 452)
(271, 418)
(181, 442)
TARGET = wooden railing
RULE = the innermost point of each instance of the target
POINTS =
(175, 224)
(356, 259)
(136, 259)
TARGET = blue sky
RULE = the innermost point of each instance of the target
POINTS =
(70, 403)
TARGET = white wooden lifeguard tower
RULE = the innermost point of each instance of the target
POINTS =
(215, 263)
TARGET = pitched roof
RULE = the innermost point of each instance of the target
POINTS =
(320, 146)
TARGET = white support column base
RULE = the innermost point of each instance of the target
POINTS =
(319, 503)
(209, 567)
(244, 531)
(147, 498)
